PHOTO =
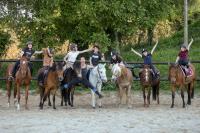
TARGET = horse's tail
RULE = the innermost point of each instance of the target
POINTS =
(154, 89)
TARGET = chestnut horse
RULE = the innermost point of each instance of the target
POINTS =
(123, 78)
(178, 80)
(9, 82)
(54, 78)
(23, 77)
(147, 82)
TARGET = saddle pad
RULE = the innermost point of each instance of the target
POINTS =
(187, 71)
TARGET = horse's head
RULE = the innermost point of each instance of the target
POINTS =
(59, 70)
(146, 75)
(116, 72)
(77, 68)
(173, 73)
(23, 67)
(101, 70)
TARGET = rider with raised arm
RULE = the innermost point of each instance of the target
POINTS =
(28, 52)
(182, 58)
(71, 57)
(47, 64)
(147, 57)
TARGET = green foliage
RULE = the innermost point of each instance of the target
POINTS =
(4, 41)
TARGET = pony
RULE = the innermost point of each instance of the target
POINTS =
(9, 82)
(67, 95)
(23, 77)
(123, 78)
(54, 78)
(147, 82)
(178, 80)
(96, 77)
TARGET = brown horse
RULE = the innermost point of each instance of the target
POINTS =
(9, 82)
(147, 82)
(124, 78)
(54, 77)
(178, 80)
(23, 77)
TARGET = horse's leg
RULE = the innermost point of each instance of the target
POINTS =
(192, 89)
(182, 96)
(157, 93)
(189, 91)
(93, 99)
(15, 94)
(46, 92)
(54, 98)
(173, 96)
(128, 97)
(148, 96)
(26, 96)
(99, 90)
(49, 100)
(120, 95)
(144, 96)
(62, 97)
(41, 95)
(72, 97)
(8, 86)
(18, 96)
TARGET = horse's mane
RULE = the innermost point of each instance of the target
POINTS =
(123, 71)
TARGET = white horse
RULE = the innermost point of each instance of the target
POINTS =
(97, 77)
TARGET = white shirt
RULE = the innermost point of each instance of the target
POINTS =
(72, 55)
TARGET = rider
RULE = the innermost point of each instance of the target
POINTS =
(147, 57)
(28, 52)
(182, 58)
(116, 58)
(84, 80)
(70, 58)
(47, 63)
(96, 56)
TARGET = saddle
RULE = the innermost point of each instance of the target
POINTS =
(187, 71)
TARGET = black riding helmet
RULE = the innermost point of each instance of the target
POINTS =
(144, 50)
(183, 46)
(114, 52)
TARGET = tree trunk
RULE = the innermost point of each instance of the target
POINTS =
(117, 41)
(186, 22)
(150, 36)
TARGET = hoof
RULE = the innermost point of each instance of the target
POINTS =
(54, 107)
(94, 107)
(49, 104)
(172, 106)
(8, 105)
(100, 106)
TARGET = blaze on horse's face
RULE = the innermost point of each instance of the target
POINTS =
(172, 73)
(23, 67)
(102, 72)
(59, 71)
(116, 72)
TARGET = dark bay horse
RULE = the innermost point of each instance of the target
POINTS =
(54, 78)
(178, 80)
(68, 94)
(124, 79)
(9, 82)
(147, 82)
(23, 77)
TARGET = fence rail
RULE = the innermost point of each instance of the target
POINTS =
(129, 63)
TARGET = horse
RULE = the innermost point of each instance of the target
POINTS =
(96, 77)
(9, 82)
(54, 78)
(147, 82)
(67, 95)
(178, 80)
(23, 76)
(123, 78)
